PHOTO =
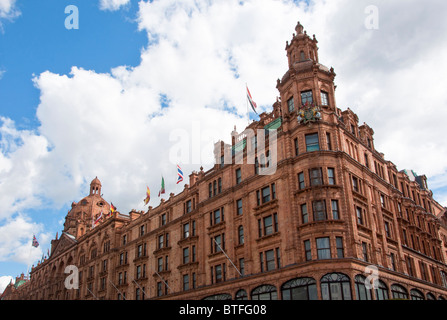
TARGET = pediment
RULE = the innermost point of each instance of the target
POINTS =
(63, 243)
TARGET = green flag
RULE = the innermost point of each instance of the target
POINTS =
(162, 190)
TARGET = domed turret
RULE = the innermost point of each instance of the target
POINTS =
(95, 187)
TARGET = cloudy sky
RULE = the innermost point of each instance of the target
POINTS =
(114, 97)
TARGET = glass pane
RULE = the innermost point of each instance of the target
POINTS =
(346, 291)
(336, 293)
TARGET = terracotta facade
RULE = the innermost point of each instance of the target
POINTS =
(302, 217)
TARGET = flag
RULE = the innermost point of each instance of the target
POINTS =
(250, 99)
(179, 174)
(112, 209)
(35, 242)
(162, 190)
(148, 197)
(99, 218)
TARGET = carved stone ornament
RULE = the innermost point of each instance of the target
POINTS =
(309, 113)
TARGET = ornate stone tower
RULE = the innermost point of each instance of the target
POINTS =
(307, 81)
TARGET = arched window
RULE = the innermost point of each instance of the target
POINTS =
(361, 292)
(416, 295)
(221, 296)
(430, 296)
(264, 292)
(302, 56)
(241, 295)
(335, 286)
(382, 291)
(300, 289)
(399, 292)
(441, 298)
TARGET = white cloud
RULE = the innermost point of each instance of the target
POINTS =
(8, 10)
(2, 73)
(112, 5)
(4, 281)
(16, 237)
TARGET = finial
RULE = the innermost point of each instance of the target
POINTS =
(299, 28)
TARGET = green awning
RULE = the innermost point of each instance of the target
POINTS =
(275, 124)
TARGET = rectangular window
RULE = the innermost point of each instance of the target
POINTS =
(160, 241)
(186, 230)
(239, 206)
(238, 176)
(316, 177)
(365, 251)
(185, 255)
(268, 225)
(307, 250)
(254, 143)
(301, 182)
(319, 210)
(290, 104)
(323, 248)
(355, 184)
(339, 243)
(242, 266)
(312, 143)
(218, 273)
(359, 215)
(335, 213)
(366, 160)
(382, 200)
(270, 260)
(331, 176)
(160, 264)
(328, 141)
(265, 194)
(296, 146)
(185, 282)
(393, 261)
(188, 206)
(387, 229)
(304, 214)
(218, 243)
(306, 97)
(324, 98)
(217, 216)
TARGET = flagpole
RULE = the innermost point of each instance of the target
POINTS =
(246, 102)
(140, 288)
(228, 257)
(163, 280)
(92, 294)
(117, 289)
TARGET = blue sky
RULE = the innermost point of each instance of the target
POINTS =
(111, 98)
(38, 41)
